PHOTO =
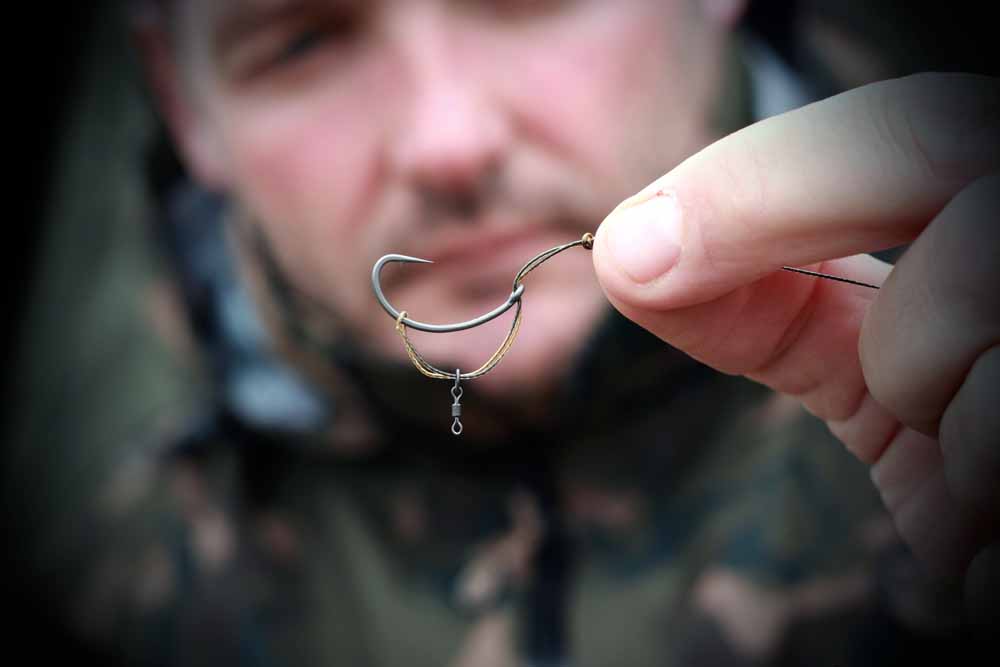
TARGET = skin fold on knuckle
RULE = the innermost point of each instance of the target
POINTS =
(946, 126)
(966, 247)
(868, 431)
(970, 437)
(941, 532)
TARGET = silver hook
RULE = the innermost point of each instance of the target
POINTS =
(514, 297)
(422, 365)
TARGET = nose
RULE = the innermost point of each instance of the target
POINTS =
(452, 135)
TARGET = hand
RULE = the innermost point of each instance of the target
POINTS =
(906, 376)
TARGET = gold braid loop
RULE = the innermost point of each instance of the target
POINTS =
(431, 371)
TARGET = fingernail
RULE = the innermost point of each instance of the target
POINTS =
(644, 237)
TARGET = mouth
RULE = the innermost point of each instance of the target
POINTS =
(489, 252)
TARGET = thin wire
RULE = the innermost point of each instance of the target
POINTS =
(827, 276)
(432, 371)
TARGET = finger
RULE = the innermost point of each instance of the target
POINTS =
(938, 311)
(944, 533)
(795, 191)
(970, 436)
(857, 172)
(794, 333)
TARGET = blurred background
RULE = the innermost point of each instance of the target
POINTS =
(79, 283)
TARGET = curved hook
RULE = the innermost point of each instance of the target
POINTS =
(514, 297)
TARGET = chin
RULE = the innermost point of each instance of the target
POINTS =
(517, 381)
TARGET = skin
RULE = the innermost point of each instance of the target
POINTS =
(905, 376)
(351, 129)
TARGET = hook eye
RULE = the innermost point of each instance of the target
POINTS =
(514, 297)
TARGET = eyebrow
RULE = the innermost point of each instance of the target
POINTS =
(245, 18)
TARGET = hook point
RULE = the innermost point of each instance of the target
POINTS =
(415, 260)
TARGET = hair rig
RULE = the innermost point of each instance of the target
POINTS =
(513, 301)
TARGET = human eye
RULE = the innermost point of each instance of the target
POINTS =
(299, 43)
(293, 41)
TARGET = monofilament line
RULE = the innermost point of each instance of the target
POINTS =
(829, 277)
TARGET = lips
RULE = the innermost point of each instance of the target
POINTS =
(472, 244)
(473, 260)
(484, 250)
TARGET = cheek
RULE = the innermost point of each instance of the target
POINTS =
(305, 168)
(302, 163)
(625, 93)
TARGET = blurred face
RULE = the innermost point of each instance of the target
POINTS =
(475, 133)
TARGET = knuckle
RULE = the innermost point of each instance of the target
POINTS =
(970, 435)
(894, 360)
(945, 126)
(964, 242)
(871, 352)
(937, 311)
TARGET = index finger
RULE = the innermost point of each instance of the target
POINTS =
(861, 171)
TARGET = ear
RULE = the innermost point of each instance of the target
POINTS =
(197, 144)
(724, 13)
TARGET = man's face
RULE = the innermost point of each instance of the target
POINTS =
(475, 133)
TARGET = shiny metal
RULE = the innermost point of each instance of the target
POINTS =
(456, 406)
(514, 297)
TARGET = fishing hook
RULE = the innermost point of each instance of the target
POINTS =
(513, 301)
(515, 296)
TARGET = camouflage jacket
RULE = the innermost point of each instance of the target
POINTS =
(676, 517)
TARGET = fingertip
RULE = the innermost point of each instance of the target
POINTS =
(638, 245)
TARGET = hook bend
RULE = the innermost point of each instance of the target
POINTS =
(514, 297)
